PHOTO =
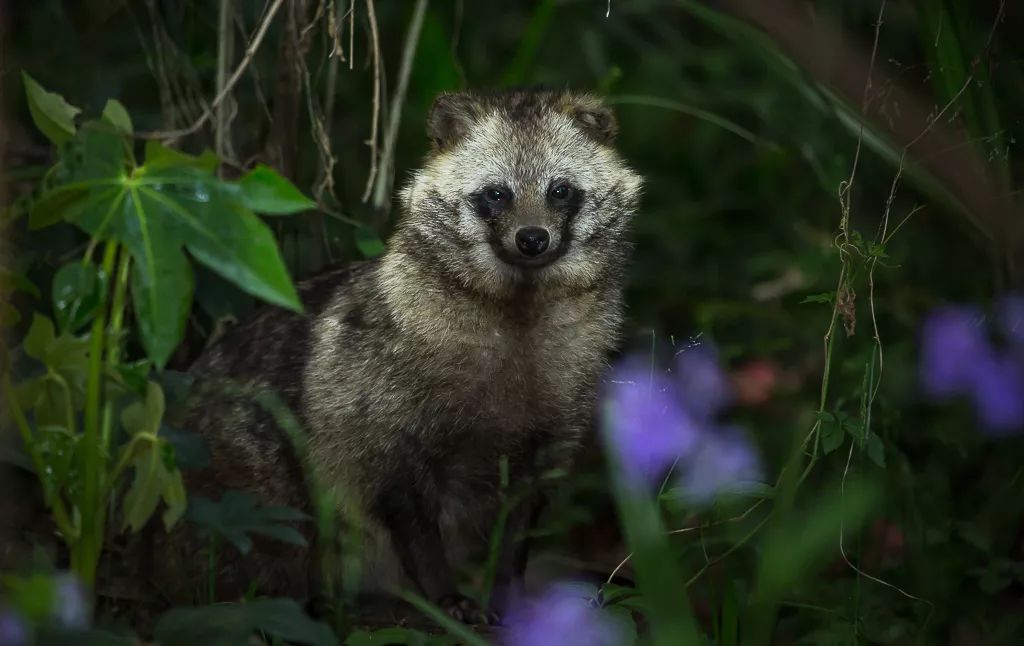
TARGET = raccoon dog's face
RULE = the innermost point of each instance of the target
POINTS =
(522, 187)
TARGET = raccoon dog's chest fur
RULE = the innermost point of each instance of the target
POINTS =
(478, 339)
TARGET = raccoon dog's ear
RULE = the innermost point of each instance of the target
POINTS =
(451, 118)
(592, 116)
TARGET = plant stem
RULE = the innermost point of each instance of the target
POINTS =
(85, 552)
(114, 346)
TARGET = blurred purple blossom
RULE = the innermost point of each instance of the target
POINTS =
(953, 342)
(656, 422)
(71, 602)
(959, 359)
(998, 393)
(703, 386)
(13, 631)
(651, 427)
(724, 461)
(563, 615)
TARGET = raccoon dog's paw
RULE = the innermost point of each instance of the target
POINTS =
(466, 610)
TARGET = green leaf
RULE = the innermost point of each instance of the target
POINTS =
(369, 243)
(239, 514)
(143, 494)
(12, 281)
(77, 295)
(66, 354)
(875, 449)
(456, 628)
(823, 297)
(156, 475)
(158, 156)
(145, 416)
(235, 623)
(265, 191)
(156, 478)
(655, 563)
(798, 544)
(54, 116)
(832, 436)
(172, 203)
(389, 636)
(39, 337)
(115, 114)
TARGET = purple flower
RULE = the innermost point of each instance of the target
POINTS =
(705, 388)
(70, 603)
(647, 426)
(957, 359)
(998, 394)
(560, 617)
(953, 344)
(654, 422)
(13, 631)
(725, 461)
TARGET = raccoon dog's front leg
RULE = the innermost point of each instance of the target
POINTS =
(410, 513)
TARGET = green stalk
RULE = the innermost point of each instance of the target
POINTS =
(85, 553)
(114, 347)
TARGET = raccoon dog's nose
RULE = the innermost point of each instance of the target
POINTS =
(532, 241)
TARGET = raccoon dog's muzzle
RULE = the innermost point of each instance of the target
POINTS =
(529, 246)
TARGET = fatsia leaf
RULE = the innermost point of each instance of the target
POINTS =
(115, 114)
(159, 156)
(239, 514)
(265, 191)
(54, 116)
(171, 204)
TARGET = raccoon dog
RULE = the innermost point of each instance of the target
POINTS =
(477, 340)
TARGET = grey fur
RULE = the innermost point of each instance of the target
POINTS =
(412, 375)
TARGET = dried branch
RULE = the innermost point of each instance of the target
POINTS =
(372, 142)
(250, 52)
(385, 175)
(225, 50)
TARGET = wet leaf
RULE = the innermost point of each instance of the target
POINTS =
(77, 295)
(171, 204)
(265, 191)
(54, 116)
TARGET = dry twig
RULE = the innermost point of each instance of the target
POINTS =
(250, 52)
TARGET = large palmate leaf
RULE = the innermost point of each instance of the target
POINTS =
(232, 624)
(238, 514)
(172, 203)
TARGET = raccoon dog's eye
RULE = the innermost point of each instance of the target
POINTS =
(561, 192)
(496, 195)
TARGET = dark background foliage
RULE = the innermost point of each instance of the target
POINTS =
(746, 119)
